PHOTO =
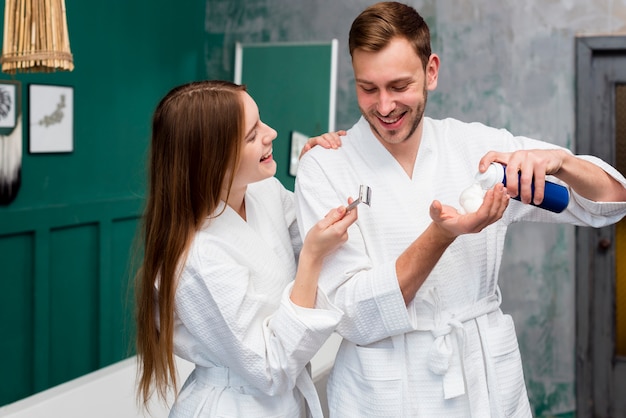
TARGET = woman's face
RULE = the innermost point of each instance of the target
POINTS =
(256, 161)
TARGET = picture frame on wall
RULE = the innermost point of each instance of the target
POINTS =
(9, 105)
(298, 141)
(50, 118)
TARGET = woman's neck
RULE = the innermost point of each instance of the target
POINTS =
(237, 200)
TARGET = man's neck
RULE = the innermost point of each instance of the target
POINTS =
(406, 151)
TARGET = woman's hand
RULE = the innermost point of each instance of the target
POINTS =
(329, 233)
(323, 238)
(327, 140)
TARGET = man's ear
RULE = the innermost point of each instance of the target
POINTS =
(432, 72)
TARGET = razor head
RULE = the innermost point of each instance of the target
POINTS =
(365, 196)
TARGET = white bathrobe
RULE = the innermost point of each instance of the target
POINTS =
(451, 352)
(234, 318)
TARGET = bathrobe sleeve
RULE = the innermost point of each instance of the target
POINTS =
(232, 301)
(580, 211)
(465, 143)
(289, 205)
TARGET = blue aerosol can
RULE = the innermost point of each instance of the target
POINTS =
(555, 196)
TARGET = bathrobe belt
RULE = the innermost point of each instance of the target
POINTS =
(447, 355)
(224, 377)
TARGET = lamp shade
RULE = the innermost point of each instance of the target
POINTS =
(35, 37)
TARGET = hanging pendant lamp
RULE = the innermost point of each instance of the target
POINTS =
(35, 37)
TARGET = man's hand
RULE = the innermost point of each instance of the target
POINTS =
(454, 224)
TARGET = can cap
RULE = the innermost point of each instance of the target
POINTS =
(491, 177)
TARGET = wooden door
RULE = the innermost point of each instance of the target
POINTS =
(601, 253)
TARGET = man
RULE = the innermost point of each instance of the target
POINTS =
(423, 332)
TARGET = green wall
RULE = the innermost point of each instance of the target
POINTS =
(65, 240)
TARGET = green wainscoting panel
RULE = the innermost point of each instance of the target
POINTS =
(16, 316)
(121, 304)
(64, 281)
(73, 289)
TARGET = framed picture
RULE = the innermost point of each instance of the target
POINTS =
(298, 141)
(50, 118)
(9, 105)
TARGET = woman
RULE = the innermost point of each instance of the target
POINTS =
(221, 250)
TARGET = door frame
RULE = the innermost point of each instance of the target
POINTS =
(598, 371)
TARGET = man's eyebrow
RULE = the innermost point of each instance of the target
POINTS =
(397, 80)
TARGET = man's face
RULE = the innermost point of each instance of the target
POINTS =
(392, 88)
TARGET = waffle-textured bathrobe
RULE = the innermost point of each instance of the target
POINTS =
(451, 352)
(234, 318)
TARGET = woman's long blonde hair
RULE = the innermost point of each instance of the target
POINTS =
(197, 130)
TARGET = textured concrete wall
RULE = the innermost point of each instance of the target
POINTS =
(505, 63)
